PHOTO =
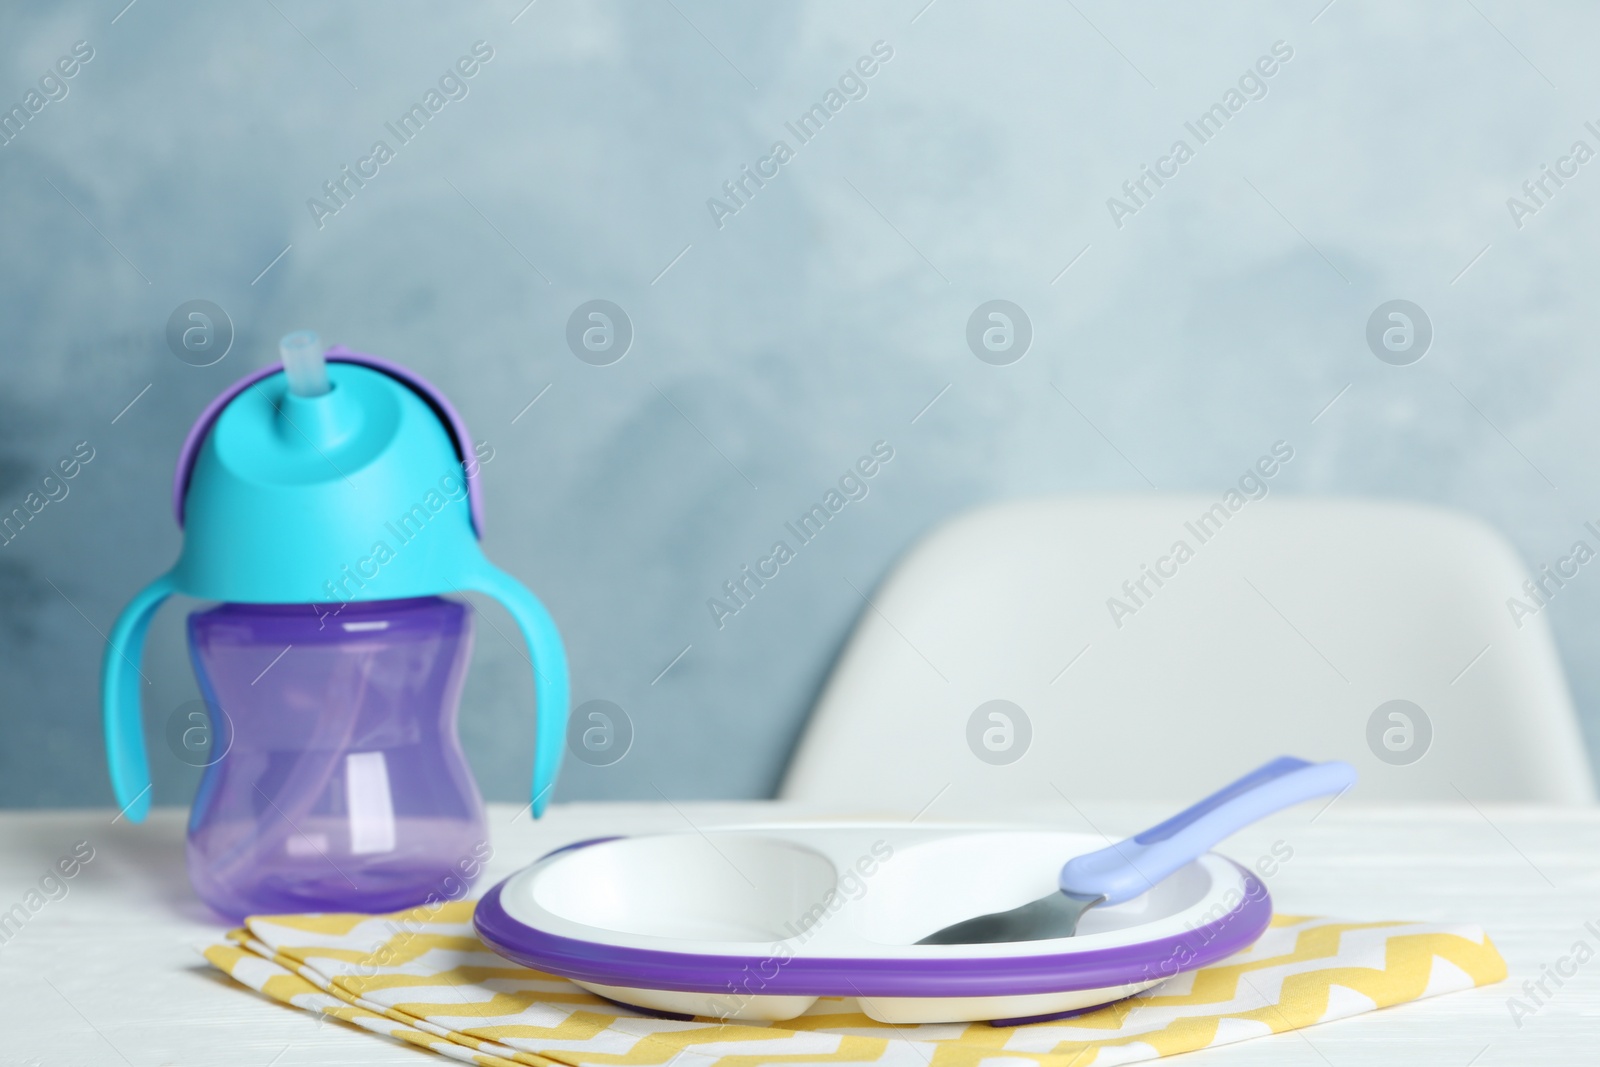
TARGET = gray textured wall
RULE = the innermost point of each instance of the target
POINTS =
(772, 350)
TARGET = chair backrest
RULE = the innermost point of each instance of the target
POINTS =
(1158, 646)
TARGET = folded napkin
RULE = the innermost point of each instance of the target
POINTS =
(423, 977)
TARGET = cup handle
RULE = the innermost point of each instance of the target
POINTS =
(120, 701)
(548, 658)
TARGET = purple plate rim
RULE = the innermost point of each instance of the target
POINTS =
(908, 976)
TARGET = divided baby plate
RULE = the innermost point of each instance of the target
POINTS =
(757, 922)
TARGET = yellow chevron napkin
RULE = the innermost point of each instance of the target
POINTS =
(423, 977)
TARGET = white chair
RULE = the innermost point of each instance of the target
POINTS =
(1286, 627)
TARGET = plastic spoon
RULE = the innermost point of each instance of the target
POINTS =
(1128, 868)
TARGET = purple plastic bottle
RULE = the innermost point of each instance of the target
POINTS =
(328, 504)
(336, 780)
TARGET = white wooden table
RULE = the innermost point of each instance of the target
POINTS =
(109, 973)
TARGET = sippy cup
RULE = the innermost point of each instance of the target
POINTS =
(328, 504)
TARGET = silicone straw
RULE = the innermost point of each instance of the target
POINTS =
(303, 363)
